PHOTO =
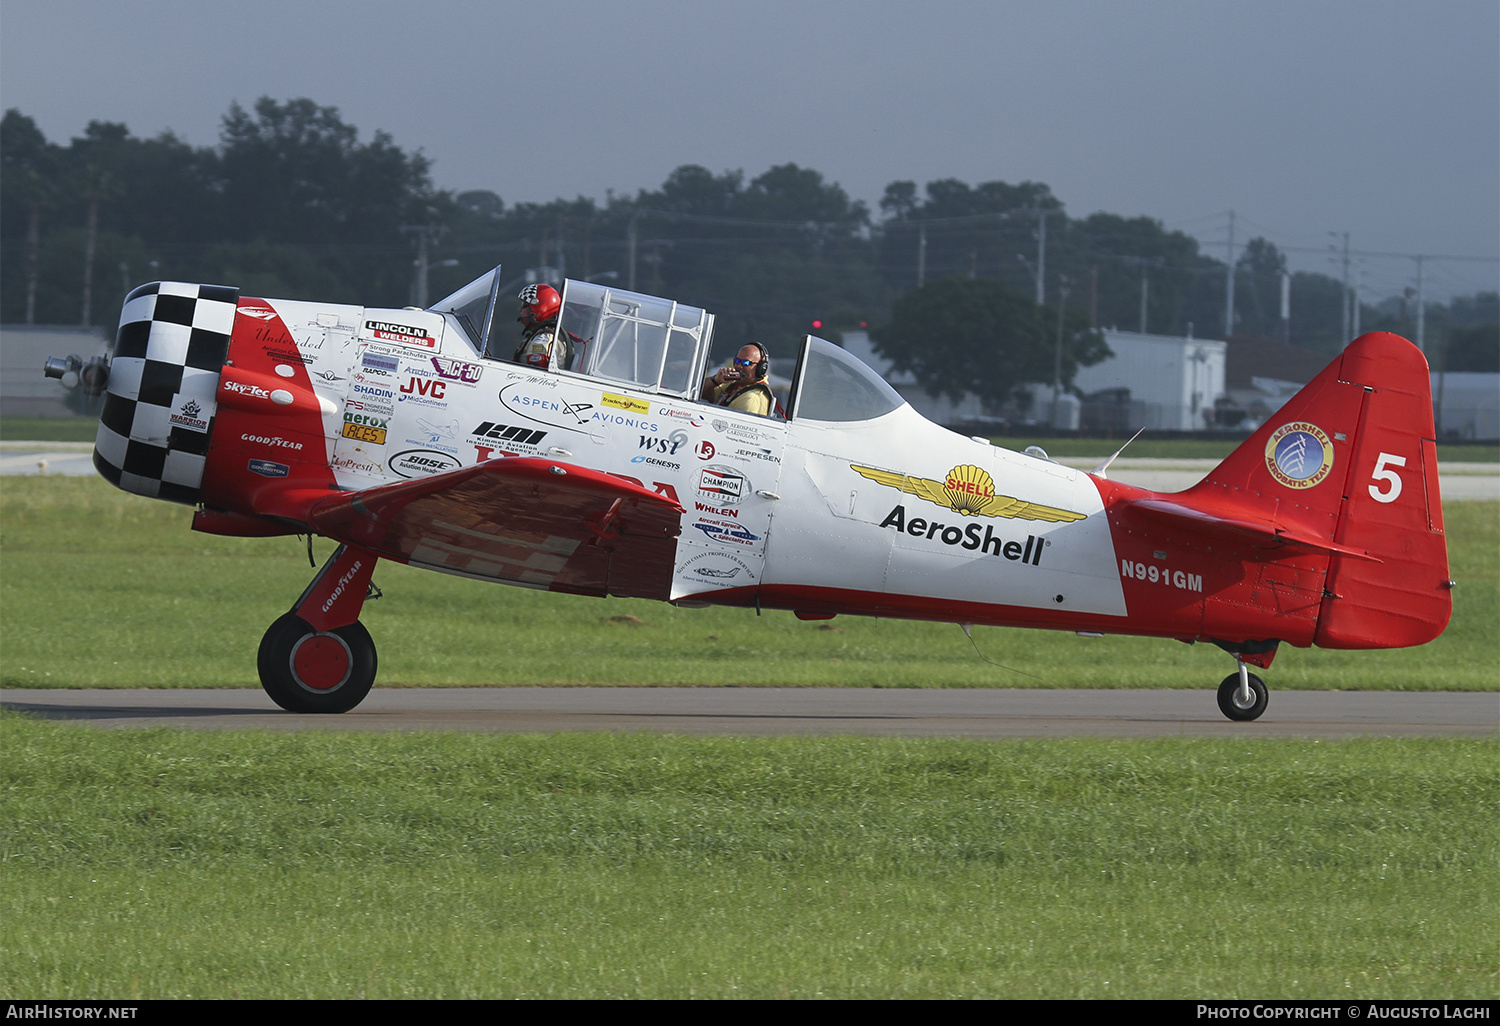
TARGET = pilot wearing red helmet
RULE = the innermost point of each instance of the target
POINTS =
(542, 345)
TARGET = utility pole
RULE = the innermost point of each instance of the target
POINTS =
(1286, 307)
(1344, 303)
(1041, 254)
(922, 254)
(632, 237)
(1229, 283)
(1421, 307)
(426, 234)
(1062, 305)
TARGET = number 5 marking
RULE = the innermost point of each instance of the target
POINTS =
(1384, 473)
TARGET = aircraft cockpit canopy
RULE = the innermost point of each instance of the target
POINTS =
(622, 336)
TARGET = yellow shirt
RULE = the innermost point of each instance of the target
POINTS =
(754, 397)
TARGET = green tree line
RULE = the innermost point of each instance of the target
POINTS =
(292, 202)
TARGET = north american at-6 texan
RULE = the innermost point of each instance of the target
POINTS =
(412, 435)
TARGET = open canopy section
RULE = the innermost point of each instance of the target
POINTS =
(473, 307)
(832, 385)
(640, 340)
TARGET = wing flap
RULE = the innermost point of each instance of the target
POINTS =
(532, 522)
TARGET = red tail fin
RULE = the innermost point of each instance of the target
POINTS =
(1351, 459)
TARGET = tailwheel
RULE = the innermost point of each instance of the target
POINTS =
(305, 670)
(1243, 696)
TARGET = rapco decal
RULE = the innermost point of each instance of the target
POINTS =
(968, 491)
(190, 415)
(422, 463)
(625, 402)
(457, 370)
(1299, 455)
(405, 334)
(721, 486)
(968, 538)
(265, 468)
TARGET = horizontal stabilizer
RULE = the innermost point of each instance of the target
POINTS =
(1251, 531)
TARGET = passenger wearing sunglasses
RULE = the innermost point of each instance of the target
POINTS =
(742, 384)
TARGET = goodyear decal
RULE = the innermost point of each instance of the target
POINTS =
(1299, 455)
(968, 491)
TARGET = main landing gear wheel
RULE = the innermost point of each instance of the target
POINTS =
(1234, 705)
(311, 671)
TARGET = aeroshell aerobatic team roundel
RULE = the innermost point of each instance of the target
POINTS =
(1299, 455)
(969, 491)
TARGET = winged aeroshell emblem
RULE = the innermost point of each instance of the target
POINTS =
(969, 491)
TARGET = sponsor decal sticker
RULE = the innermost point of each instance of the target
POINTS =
(240, 388)
(365, 432)
(968, 491)
(403, 334)
(625, 402)
(691, 417)
(728, 534)
(265, 468)
(508, 433)
(722, 486)
(190, 415)
(423, 392)
(260, 313)
(274, 441)
(705, 450)
(457, 370)
(721, 569)
(666, 446)
(1299, 455)
(357, 466)
(422, 463)
(970, 538)
(379, 363)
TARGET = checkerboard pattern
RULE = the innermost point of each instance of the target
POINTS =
(163, 377)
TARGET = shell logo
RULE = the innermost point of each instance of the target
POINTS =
(969, 489)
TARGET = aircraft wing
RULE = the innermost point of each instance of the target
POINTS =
(535, 522)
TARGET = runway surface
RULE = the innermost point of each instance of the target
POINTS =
(1457, 480)
(992, 714)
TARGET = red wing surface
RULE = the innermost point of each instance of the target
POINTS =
(521, 521)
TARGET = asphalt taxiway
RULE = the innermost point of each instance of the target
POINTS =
(900, 712)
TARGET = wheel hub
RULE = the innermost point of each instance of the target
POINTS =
(321, 663)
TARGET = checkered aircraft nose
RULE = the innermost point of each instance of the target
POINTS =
(159, 409)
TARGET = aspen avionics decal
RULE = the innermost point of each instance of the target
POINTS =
(1299, 455)
(968, 491)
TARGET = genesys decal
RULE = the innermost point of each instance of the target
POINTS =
(402, 334)
(422, 463)
(988, 543)
(968, 491)
(1299, 455)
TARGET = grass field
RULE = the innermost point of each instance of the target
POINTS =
(176, 864)
(104, 589)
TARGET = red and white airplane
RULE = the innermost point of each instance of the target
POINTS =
(393, 433)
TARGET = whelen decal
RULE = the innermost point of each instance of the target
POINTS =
(405, 334)
(1299, 455)
(968, 491)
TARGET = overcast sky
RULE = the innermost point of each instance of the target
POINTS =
(1380, 119)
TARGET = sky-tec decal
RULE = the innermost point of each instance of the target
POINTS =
(1299, 455)
(968, 491)
(991, 544)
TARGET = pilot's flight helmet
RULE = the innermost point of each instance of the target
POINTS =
(539, 304)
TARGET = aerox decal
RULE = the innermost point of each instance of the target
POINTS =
(968, 491)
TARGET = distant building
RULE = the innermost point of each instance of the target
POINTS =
(1466, 404)
(1161, 382)
(24, 349)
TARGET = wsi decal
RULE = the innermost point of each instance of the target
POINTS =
(457, 370)
(1299, 455)
(968, 491)
(405, 334)
(265, 468)
(667, 446)
(991, 544)
(422, 463)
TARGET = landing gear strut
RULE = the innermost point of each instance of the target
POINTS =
(1243, 695)
(318, 658)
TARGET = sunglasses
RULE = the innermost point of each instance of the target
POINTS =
(745, 363)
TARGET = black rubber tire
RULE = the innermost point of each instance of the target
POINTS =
(302, 692)
(1231, 708)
